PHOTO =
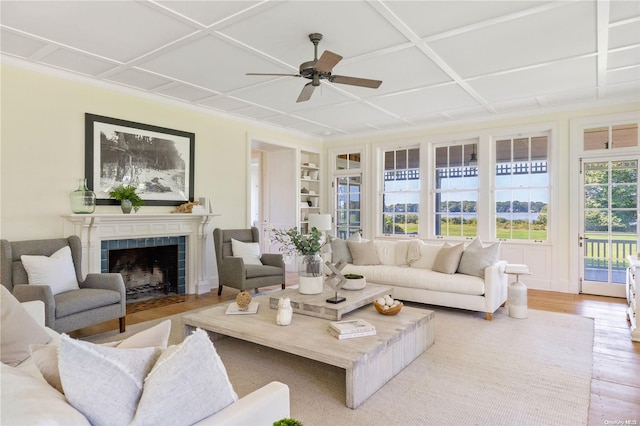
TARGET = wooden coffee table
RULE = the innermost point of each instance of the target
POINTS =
(370, 361)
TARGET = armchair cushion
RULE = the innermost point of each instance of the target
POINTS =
(57, 271)
(254, 271)
(249, 252)
(19, 330)
(84, 299)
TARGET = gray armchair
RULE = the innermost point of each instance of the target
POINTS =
(232, 271)
(101, 297)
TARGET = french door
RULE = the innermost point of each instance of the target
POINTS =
(609, 222)
(348, 204)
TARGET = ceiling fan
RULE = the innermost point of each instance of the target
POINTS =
(320, 69)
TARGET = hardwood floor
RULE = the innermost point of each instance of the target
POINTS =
(615, 386)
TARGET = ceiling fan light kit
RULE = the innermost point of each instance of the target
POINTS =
(320, 69)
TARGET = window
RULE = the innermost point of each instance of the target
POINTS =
(456, 190)
(347, 193)
(401, 191)
(521, 188)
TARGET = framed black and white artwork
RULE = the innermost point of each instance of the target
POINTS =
(156, 160)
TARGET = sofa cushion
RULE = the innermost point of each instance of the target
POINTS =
(27, 400)
(363, 253)
(56, 271)
(392, 253)
(103, 383)
(249, 252)
(448, 258)
(386, 251)
(476, 258)
(340, 249)
(418, 278)
(187, 383)
(18, 330)
(422, 255)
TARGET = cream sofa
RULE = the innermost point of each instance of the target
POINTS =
(478, 282)
(27, 399)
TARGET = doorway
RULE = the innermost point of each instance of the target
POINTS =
(272, 189)
(607, 160)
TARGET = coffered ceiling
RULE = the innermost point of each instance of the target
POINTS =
(440, 61)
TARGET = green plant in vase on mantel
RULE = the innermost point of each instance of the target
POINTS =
(128, 198)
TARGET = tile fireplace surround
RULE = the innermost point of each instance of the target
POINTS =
(197, 228)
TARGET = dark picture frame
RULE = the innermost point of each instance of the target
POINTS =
(157, 160)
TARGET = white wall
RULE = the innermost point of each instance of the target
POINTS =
(42, 150)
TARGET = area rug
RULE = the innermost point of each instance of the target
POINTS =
(503, 372)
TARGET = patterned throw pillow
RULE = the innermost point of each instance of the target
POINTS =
(476, 258)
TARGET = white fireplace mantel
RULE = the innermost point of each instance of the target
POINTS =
(94, 228)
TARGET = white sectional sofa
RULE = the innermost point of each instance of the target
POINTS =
(471, 278)
(28, 399)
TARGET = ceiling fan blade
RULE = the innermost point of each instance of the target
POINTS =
(280, 75)
(327, 61)
(306, 93)
(354, 81)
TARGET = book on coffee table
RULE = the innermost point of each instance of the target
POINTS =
(234, 309)
(351, 335)
(351, 326)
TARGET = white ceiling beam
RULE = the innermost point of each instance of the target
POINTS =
(602, 25)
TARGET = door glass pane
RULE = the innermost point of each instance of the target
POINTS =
(610, 219)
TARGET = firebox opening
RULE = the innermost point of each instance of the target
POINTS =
(148, 272)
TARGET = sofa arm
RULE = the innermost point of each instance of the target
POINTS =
(272, 259)
(261, 407)
(30, 292)
(495, 286)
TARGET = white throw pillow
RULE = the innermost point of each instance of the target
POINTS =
(46, 356)
(19, 330)
(448, 258)
(104, 383)
(422, 255)
(56, 271)
(363, 253)
(187, 384)
(249, 252)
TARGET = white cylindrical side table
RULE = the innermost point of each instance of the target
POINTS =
(517, 291)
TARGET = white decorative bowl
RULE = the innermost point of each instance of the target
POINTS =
(354, 284)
